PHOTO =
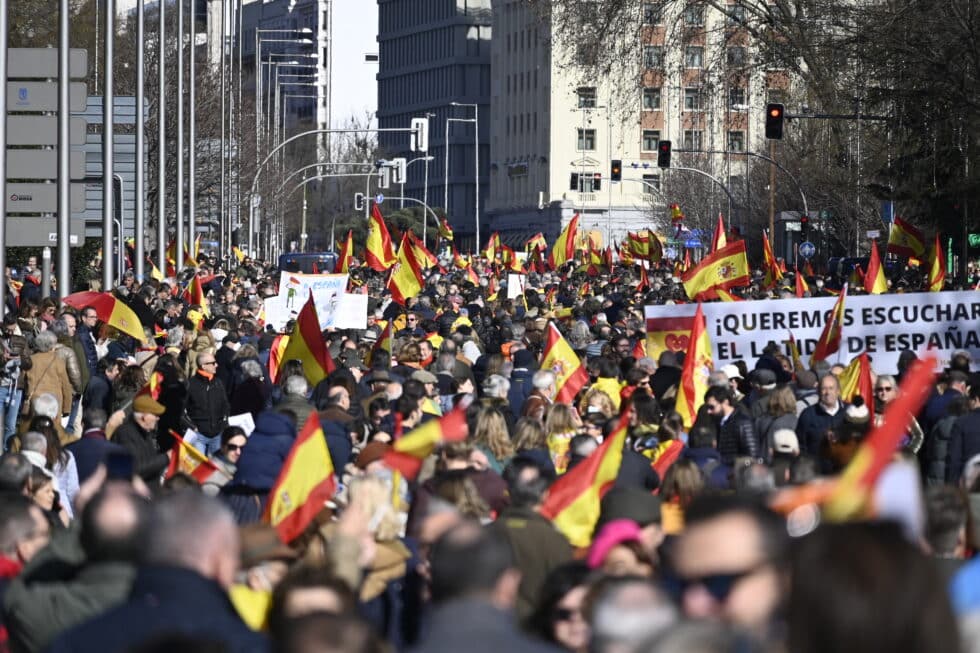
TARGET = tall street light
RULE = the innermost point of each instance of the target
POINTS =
(476, 246)
(179, 234)
(140, 217)
(161, 140)
(108, 129)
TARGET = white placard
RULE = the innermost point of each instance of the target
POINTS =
(351, 313)
(515, 285)
(244, 421)
(881, 325)
(294, 289)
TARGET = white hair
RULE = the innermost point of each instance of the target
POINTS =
(253, 370)
(46, 405)
(543, 379)
(496, 386)
(34, 441)
(296, 385)
(45, 341)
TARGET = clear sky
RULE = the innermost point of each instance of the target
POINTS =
(355, 31)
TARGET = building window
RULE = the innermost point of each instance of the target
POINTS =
(693, 56)
(586, 139)
(736, 56)
(651, 98)
(653, 180)
(693, 139)
(586, 182)
(586, 97)
(651, 139)
(652, 13)
(736, 98)
(653, 56)
(694, 14)
(735, 14)
(692, 99)
(736, 141)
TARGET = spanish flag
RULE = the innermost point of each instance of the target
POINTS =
(794, 350)
(383, 342)
(346, 254)
(536, 243)
(937, 267)
(409, 452)
(378, 255)
(855, 380)
(154, 270)
(493, 246)
(458, 261)
(306, 344)
(773, 273)
(305, 483)
(694, 375)
(719, 240)
(423, 256)
(445, 230)
(570, 374)
(874, 278)
(830, 337)
(726, 268)
(801, 284)
(851, 497)
(194, 294)
(668, 334)
(726, 296)
(574, 499)
(644, 284)
(639, 243)
(564, 248)
(905, 240)
(406, 278)
(276, 352)
(239, 254)
(153, 386)
(187, 460)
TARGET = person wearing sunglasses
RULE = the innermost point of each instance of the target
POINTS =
(559, 616)
(886, 392)
(729, 563)
(233, 440)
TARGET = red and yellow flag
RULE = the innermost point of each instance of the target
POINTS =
(239, 254)
(773, 274)
(187, 460)
(306, 344)
(726, 268)
(937, 267)
(695, 373)
(153, 386)
(493, 246)
(726, 296)
(851, 498)
(874, 278)
(194, 294)
(407, 453)
(570, 374)
(406, 279)
(155, 272)
(905, 240)
(378, 254)
(346, 254)
(801, 284)
(794, 351)
(423, 256)
(668, 334)
(574, 499)
(719, 239)
(830, 337)
(276, 352)
(536, 243)
(445, 230)
(305, 483)
(856, 380)
(564, 247)
(384, 342)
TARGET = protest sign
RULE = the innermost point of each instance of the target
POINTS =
(881, 325)
(327, 289)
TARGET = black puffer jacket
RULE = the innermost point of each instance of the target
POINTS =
(737, 438)
(207, 405)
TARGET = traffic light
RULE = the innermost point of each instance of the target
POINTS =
(805, 227)
(616, 170)
(663, 154)
(775, 115)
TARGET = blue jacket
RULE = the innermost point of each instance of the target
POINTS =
(964, 443)
(520, 389)
(84, 335)
(265, 452)
(164, 600)
(90, 451)
(813, 425)
(338, 442)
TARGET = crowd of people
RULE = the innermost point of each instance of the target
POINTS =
(105, 547)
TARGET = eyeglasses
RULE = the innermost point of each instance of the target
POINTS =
(719, 586)
(884, 389)
(566, 614)
(207, 363)
(410, 319)
(234, 447)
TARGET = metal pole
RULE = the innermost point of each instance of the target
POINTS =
(120, 229)
(223, 182)
(302, 235)
(772, 188)
(445, 184)
(192, 135)
(3, 153)
(237, 199)
(180, 137)
(425, 195)
(140, 213)
(107, 145)
(46, 271)
(64, 157)
(162, 141)
(476, 174)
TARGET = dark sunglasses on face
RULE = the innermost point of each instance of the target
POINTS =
(565, 614)
(719, 586)
(235, 447)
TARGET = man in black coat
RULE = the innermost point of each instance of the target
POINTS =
(98, 393)
(736, 434)
(92, 448)
(138, 436)
(827, 413)
(964, 440)
(190, 559)
(207, 402)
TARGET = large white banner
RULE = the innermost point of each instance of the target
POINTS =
(294, 289)
(882, 325)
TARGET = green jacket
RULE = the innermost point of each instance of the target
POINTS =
(58, 590)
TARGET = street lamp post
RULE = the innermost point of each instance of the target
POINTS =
(476, 247)
(108, 140)
(179, 234)
(162, 141)
(426, 159)
(139, 216)
(476, 172)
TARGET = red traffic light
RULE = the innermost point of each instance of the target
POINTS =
(775, 111)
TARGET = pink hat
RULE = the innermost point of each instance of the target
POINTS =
(612, 535)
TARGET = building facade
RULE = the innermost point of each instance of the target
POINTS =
(555, 132)
(432, 54)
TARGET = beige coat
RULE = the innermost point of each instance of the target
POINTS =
(48, 373)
